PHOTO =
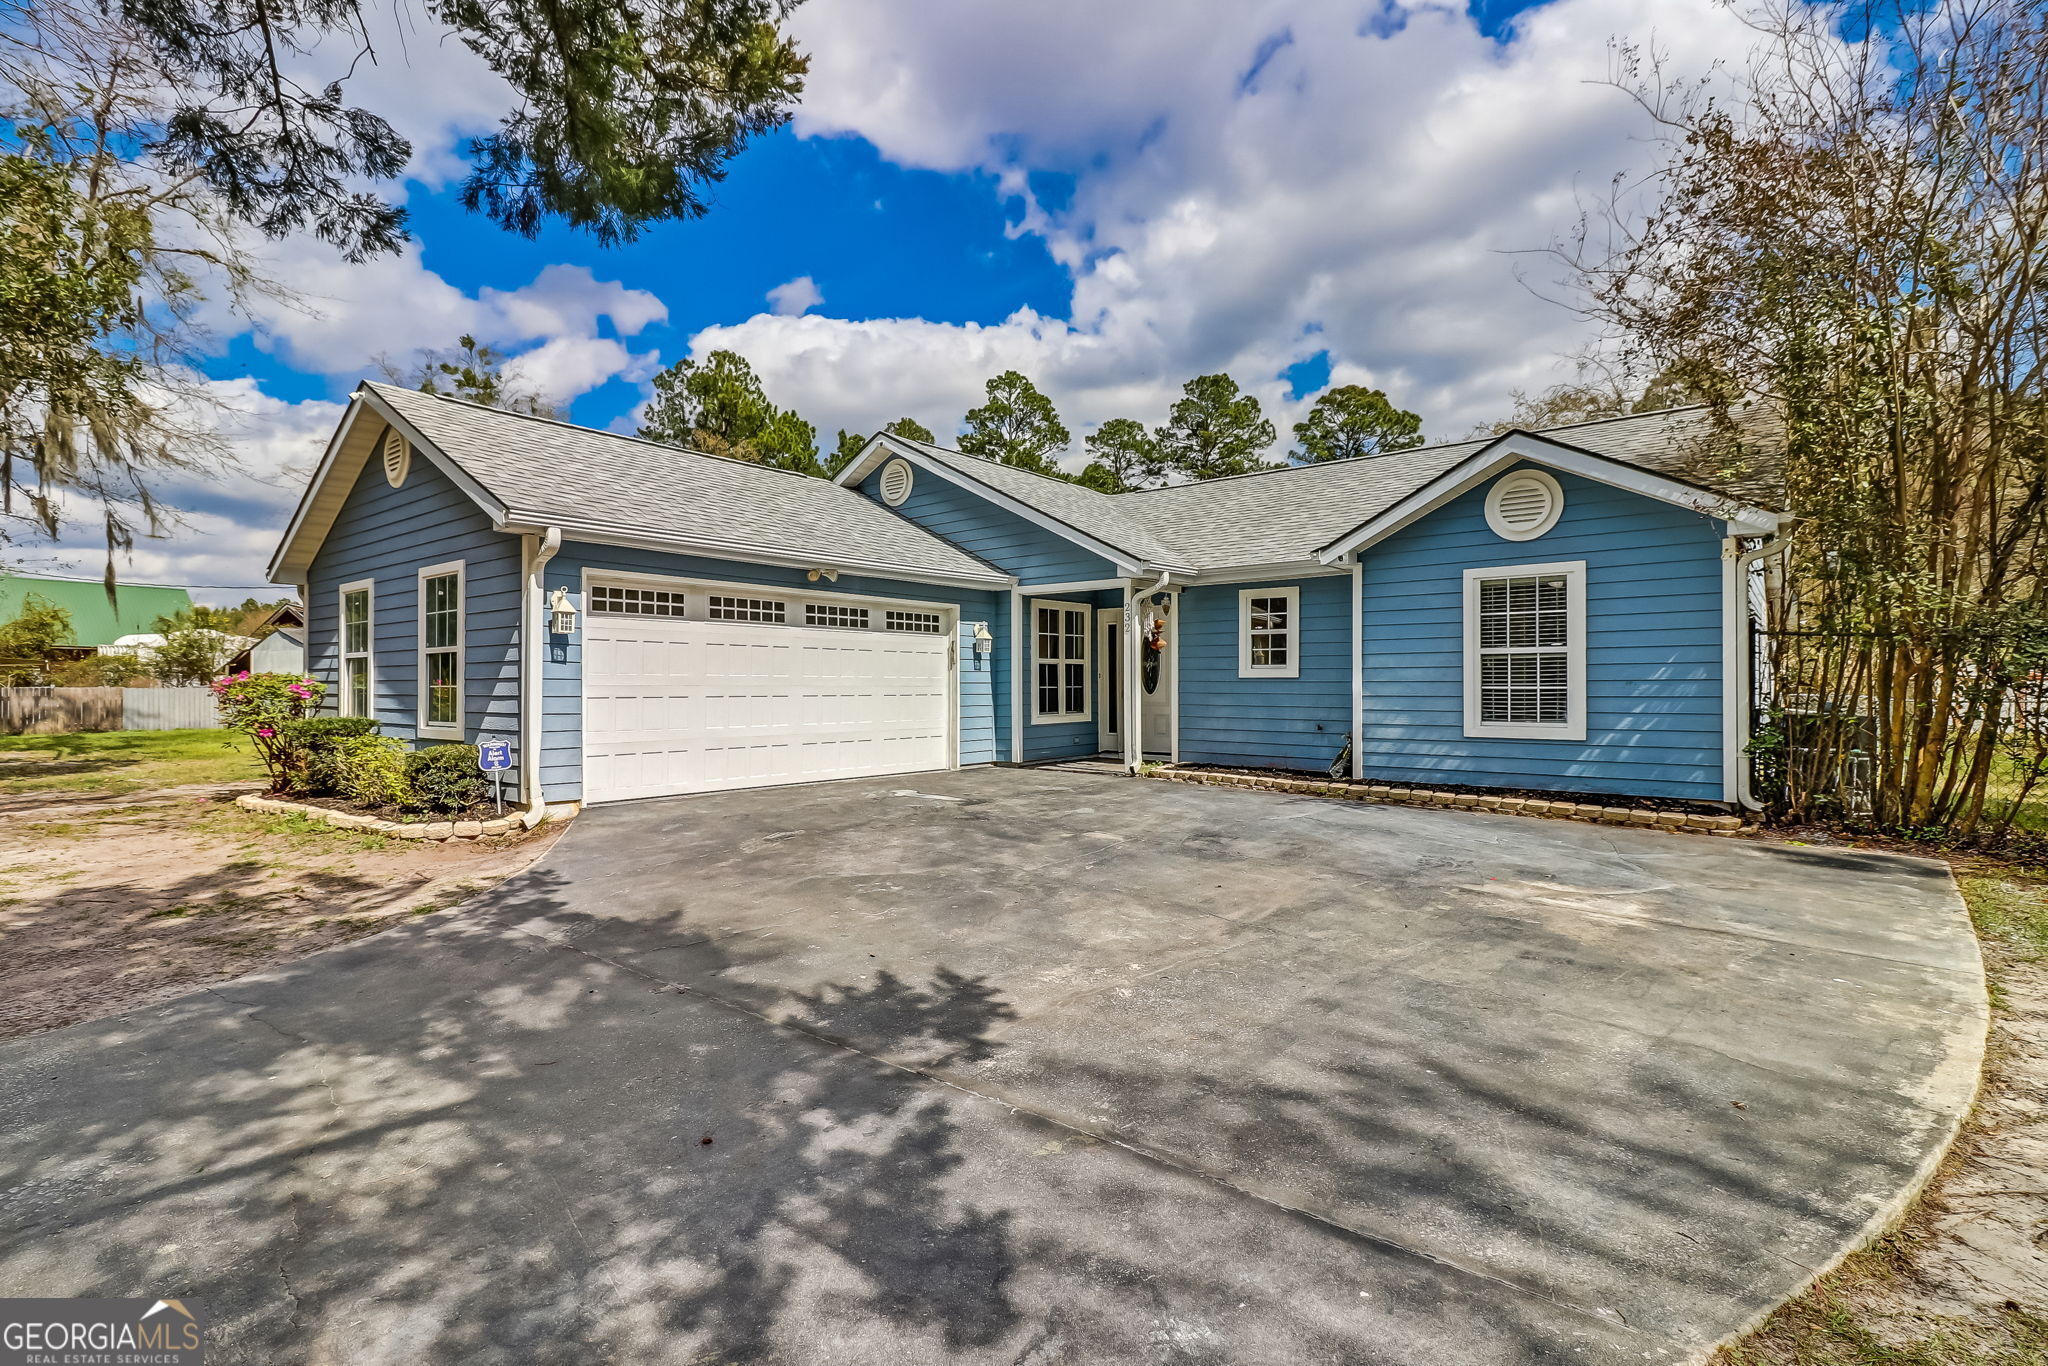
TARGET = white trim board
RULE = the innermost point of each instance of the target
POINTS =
(1476, 469)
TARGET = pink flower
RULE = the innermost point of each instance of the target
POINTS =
(265, 731)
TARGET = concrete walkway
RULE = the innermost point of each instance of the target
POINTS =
(1016, 1066)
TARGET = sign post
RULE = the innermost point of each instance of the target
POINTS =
(494, 757)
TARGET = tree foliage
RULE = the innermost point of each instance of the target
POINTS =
(103, 252)
(1857, 242)
(622, 112)
(473, 372)
(717, 406)
(38, 627)
(1350, 421)
(1123, 456)
(851, 444)
(1016, 426)
(1214, 431)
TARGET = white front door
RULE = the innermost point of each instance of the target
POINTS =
(1155, 678)
(686, 703)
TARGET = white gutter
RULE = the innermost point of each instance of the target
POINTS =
(533, 619)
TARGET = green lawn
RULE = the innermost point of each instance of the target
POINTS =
(120, 761)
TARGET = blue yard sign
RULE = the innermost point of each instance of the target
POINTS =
(494, 757)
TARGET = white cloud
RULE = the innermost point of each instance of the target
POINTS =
(796, 297)
(394, 306)
(1251, 184)
(226, 525)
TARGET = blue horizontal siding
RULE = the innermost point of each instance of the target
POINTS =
(1653, 649)
(388, 535)
(1005, 540)
(984, 679)
(1297, 723)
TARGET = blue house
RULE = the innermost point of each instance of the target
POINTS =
(1564, 611)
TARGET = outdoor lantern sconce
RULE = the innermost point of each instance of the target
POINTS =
(984, 643)
(561, 613)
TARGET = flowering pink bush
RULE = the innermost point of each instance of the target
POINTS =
(263, 706)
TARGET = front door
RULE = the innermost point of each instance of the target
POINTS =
(1155, 678)
(1109, 651)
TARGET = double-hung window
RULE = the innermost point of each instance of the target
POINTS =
(356, 629)
(1060, 632)
(1525, 652)
(440, 700)
(1269, 633)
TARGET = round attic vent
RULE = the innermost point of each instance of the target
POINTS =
(1523, 505)
(397, 457)
(895, 482)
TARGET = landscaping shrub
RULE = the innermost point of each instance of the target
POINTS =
(367, 769)
(261, 706)
(445, 778)
(304, 747)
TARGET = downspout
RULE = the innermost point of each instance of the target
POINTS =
(534, 621)
(1744, 662)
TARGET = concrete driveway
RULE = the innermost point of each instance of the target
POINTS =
(1025, 1066)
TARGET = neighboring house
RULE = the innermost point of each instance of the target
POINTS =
(94, 620)
(1557, 612)
(143, 644)
(283, 651)
(280, 648)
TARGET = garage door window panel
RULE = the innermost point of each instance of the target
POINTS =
(766, 611)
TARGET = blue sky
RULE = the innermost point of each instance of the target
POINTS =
(1112, 199)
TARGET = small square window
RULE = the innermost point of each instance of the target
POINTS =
(747, 609)
(833, 614)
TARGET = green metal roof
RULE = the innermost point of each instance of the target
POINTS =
(95, 621)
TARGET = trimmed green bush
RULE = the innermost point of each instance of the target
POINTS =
(445, 778)
(368, 769)
(305, 750)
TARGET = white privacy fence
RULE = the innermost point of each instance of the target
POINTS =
(55, 711)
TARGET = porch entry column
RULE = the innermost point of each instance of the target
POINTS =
(1130, 644)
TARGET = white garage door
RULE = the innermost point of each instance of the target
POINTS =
(703, 690)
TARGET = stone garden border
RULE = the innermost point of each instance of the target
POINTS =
(400, 830)
(1677, 822)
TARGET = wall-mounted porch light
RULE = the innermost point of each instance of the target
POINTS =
(984, 643)
(561, 613)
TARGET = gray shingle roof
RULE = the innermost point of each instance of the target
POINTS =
(1085, 510)
(1290, 514)
(545, 472)
(1280, 516)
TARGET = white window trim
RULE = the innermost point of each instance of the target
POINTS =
(420, 726)
(368, 588)
(1086, 661)
(1574, 727)
(1245, 667)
